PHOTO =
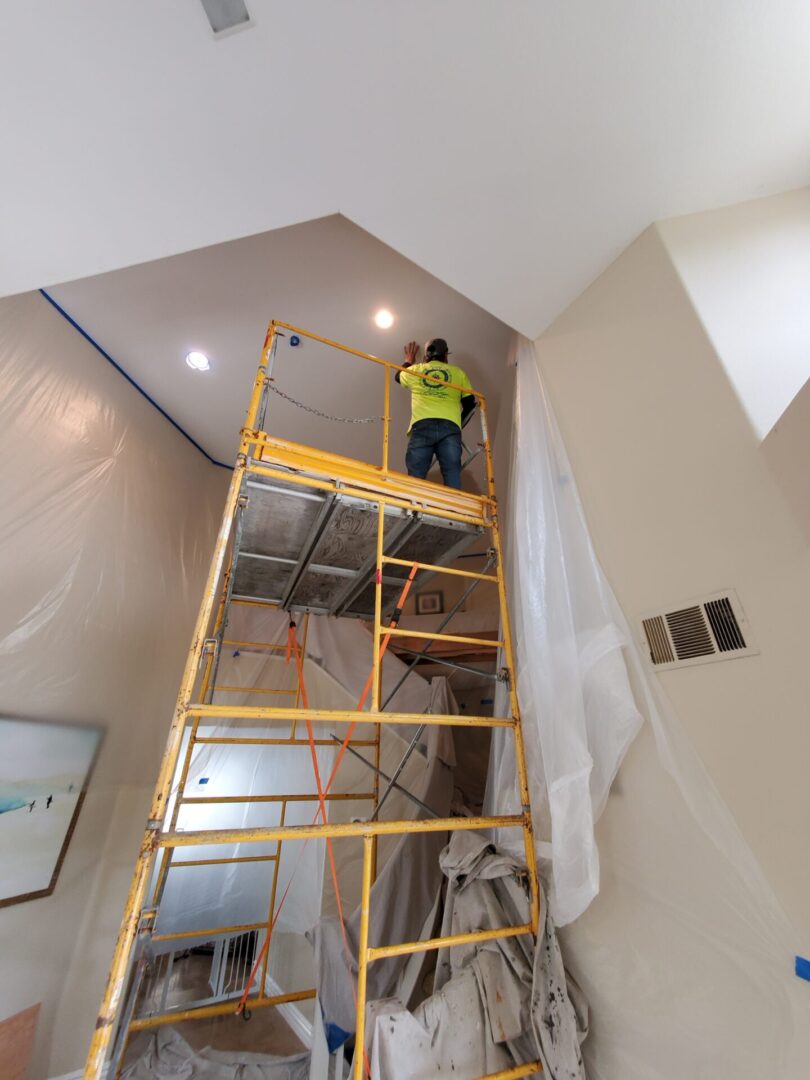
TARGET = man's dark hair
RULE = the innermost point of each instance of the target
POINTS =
(436, 349)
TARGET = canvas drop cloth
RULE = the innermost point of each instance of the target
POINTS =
(495, 1004)
(167, 1056)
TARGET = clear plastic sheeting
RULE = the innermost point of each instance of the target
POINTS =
(577, 707)
(685, 954)
(396, 913)
(337, 662)
(204, 897)
(165, 1055)
(107, 519)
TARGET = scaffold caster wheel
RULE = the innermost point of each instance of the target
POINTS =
(246, 1014)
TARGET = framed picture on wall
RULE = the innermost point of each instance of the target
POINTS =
(44, 772)
(429, 603)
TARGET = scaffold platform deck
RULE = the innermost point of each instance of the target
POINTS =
(316, 551)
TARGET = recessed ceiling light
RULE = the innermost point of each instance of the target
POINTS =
(198, 361)
(384, 319)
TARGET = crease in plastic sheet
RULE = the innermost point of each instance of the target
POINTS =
(678, 940)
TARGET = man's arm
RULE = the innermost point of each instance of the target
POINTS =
(411, 356)
(468, 401)
(467, 408)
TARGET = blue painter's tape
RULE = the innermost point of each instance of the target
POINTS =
(335, 1035)
(130, 380)
(803, 968)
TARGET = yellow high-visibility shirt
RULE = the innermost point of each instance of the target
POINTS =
(430, 398)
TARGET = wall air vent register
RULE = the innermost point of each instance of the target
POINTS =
(698, 632)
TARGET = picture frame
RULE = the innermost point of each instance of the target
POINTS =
(429, 603)
(45, 768)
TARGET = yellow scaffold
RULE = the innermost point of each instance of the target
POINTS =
(396, 504)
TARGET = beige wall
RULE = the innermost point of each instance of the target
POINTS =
(107, 519)
(787, 452)
(681, 502)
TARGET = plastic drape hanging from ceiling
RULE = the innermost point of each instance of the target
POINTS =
(679, 942)
(107, 518)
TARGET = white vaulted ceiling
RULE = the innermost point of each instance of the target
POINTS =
(511, 148)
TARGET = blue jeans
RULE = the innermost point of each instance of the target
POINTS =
(441, 438)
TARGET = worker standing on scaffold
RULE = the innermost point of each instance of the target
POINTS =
(438, 411)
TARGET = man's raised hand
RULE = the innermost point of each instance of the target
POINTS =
(411, 354)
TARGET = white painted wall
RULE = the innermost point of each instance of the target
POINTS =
(107, 518)
(681, 503)
(746, 269)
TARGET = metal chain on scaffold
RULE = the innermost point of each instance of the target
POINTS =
(326, 416)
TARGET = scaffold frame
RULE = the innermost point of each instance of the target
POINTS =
(388, 495)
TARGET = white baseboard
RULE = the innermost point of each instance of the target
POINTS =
(291, 1013)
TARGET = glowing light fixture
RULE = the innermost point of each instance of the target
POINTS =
(198, 361)
(384, 319)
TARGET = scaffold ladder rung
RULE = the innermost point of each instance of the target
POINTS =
(259, 834)
(347, 716)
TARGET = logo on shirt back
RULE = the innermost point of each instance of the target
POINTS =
(436, 373)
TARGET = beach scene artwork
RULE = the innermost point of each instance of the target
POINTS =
(44, 769)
